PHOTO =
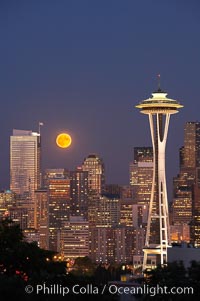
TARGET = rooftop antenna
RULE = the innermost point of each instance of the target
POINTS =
(39, 125)
(39, 130)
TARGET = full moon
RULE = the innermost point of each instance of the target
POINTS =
(63, 140)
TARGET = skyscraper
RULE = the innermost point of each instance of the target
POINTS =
(79, 193)
(75, 238)
(103, 215)
(41, 217)
(141, 174)
(191, 150)
(104, 211)
(25, 150)
(96, 177)
(158, 108)
(186, 202)
(112, 244)
(25, 176)
(182, 206)
(59, 209)
(195, 224)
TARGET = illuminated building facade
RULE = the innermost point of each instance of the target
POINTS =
(41, 217)
(141, 174)
(54, 173)
(112, 244)
(195, 224)
(7, 201)
(59, 209)
(126, 212)
(104, 217)
(31, 235)
(25, 175)
(75, 238)
(182, 206)
(104, 211)
(140, 215)
(96, 176)
(159, 109)
(186, 204)
(79, 193)
(25, 150)
(189, 157)
(19, 215)
(180, 233)
(191, 149)
(139, 218)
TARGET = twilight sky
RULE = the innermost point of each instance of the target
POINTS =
(82, 66)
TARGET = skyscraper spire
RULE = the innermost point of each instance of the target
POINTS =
(39, 125)
(159, 88)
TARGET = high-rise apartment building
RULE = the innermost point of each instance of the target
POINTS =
(75, 238)
(79, 193)
(182, 206)
(25, 150)
(195, 224)
(104, 211)
(185, 206)
(112, 244)
(41, 217)
(126, 212)
(103, 217)
(191, 149)
(96, 177)
(189, 156)
(139, 215)
(59, 209)
(141, 174)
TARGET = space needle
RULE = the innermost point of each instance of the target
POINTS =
(159, 108)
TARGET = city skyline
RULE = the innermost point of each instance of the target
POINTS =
(85, 71)
(71, 198)
(96, 198)
(75, 167)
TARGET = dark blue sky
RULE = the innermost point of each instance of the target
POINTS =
(82, 66)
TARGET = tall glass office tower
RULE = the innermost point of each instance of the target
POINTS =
(25, 154)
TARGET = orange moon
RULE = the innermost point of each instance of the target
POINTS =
(63, 140)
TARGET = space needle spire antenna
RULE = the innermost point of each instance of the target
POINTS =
(159, 87)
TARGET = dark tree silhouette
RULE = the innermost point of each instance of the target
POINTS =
(174, 275)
